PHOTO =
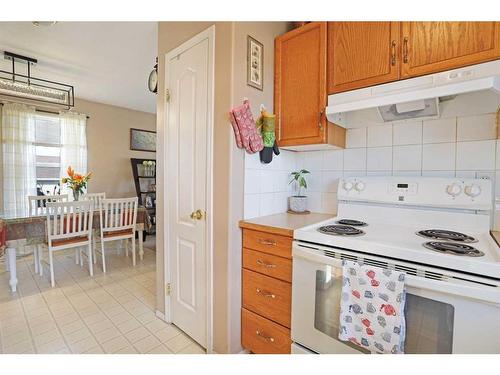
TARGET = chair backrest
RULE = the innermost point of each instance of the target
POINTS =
(118, 214)
(95, 198)
(38, 203)
(69, 219)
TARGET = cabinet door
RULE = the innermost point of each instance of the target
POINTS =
(430, 47)
(300, 85)
(362, 54)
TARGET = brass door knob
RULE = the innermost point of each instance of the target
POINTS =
(196, 215)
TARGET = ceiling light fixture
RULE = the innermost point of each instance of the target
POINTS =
(31, 89)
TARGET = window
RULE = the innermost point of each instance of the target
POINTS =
(48, 153)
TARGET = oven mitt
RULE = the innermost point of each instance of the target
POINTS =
(266, 125)
(245, 129)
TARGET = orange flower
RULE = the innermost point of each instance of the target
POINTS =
(70, 171)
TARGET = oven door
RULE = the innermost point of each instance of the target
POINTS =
(445, 315)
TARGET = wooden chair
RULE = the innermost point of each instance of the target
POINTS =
(37, 206)
(96, 199)
(69, 225)
(38, 203)
(118, 219)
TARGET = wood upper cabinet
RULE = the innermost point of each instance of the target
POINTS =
(300, 88)
(362, 54)
(430, 47)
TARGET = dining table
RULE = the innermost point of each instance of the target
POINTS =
(20, 229)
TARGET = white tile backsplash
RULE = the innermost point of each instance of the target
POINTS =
(333, 160)
(407, 158)
(438, 157)
(356, 138)
(407, 133)
(355, 159)
(379, 159)
(476, 128)
(440, 131)
(465, 147)
(379, 136)
(476, 155)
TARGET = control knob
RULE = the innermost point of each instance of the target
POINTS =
(348, 185)
(359, 186)
(473, 190)
(454, 189)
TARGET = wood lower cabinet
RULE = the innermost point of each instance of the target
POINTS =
(266, 292)
(362, 54)
(430, 47)
(300, 89)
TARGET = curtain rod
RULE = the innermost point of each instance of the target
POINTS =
(45, 111)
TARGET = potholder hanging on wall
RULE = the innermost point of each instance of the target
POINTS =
(266, 124)
(245, 130)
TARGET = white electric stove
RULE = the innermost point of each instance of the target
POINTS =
(437, 230)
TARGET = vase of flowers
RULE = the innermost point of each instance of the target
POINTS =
(76, 182)
(149, 168)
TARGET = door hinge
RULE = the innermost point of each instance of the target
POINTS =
(168, 289)
(167, 95)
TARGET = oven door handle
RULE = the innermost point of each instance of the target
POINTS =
(470, 290)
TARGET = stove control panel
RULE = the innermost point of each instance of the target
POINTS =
(475, 194)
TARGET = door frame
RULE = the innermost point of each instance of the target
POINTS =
(210, 35)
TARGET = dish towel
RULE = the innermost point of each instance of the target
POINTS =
(245, 129)
(372, 308)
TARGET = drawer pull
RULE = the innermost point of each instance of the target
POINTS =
(267, 338)
(267, 242)
(265, 293)
(264, 264)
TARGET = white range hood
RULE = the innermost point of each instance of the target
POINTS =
(416, 97)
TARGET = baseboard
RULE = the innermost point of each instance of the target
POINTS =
(160, 315)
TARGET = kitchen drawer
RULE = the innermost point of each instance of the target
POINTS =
(267, 296)
(267, 264)
(262, 336)
(268, 243)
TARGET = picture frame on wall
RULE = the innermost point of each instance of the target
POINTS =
(255, 63)
(142, 140)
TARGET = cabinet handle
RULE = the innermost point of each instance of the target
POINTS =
(320, 117)
(405, 50)
(393, 53)
(265, 293)
(267, 242)
(267, 265)
(265, 337)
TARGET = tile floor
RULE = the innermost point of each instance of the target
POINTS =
(109, 313)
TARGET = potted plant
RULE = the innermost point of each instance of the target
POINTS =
(298, 203)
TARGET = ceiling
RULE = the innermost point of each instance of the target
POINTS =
(107, 62)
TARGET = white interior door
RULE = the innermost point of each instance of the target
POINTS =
(188, 138)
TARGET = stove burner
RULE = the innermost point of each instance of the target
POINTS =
(447, 235)
(453, 248)
(354, 223)
(341, 230)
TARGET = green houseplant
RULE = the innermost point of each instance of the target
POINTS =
(298, 203)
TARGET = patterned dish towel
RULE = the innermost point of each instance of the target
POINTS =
(372, 308)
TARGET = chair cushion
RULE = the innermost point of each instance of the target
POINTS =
(69, 241)
(117, 233)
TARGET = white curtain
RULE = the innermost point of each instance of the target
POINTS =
(19, 160)
(73, 145)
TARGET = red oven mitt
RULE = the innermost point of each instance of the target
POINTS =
(245, 130)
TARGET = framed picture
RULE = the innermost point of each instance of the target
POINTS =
(255, 63)
(142, 140)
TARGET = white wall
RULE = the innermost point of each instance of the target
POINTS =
(462, 142)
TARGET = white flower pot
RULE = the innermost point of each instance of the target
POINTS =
(298, 203)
